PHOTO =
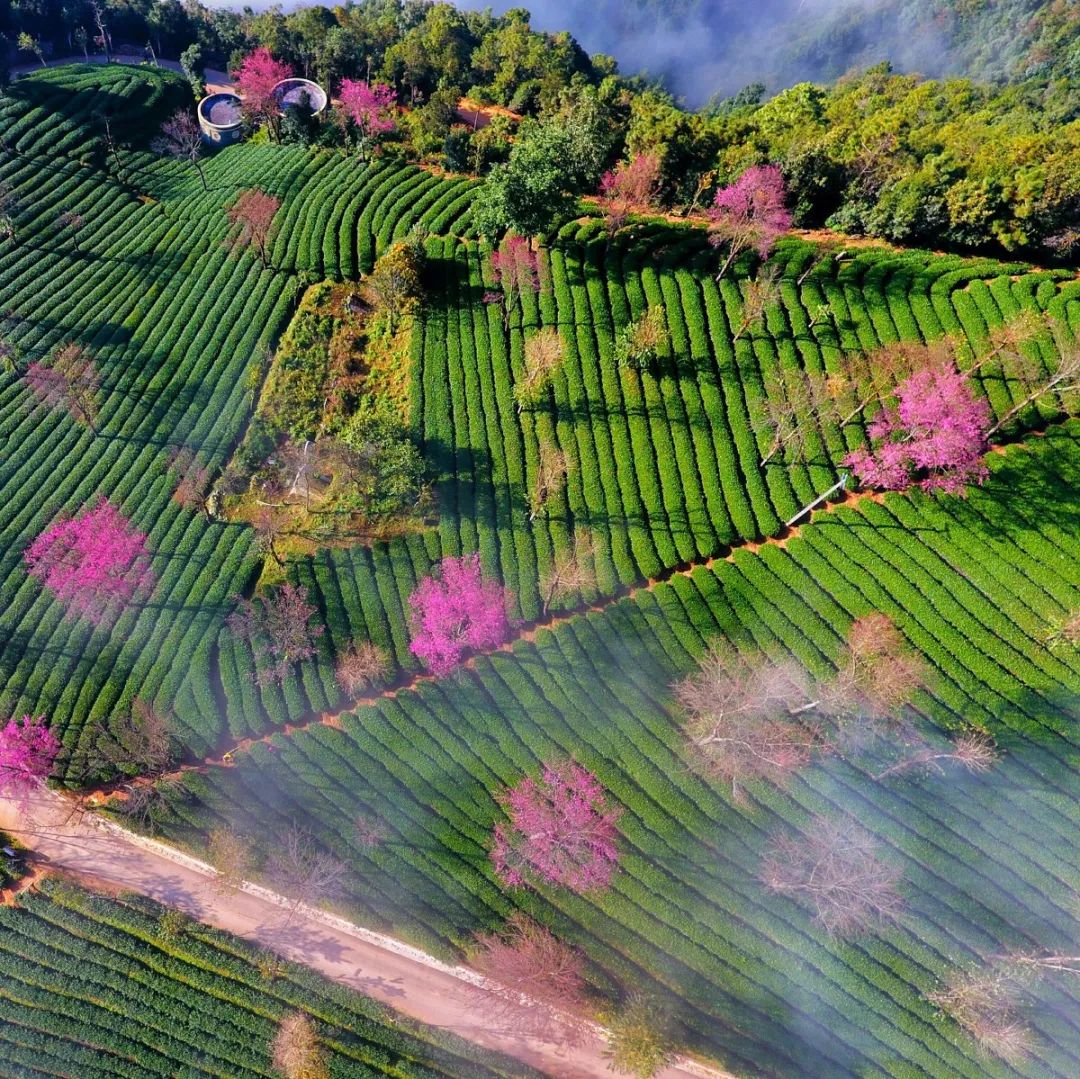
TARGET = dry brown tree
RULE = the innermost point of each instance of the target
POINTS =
(549, 481)
(362, 665)
(232, 858)
(1065, 631)
(531, 974)
(833, 867)
(192, 480)
(877, 673)
(295, 1050)
(68, 381)
(973, 751)
(73, 222)
(749, 717)
(542, 358)
(571, 572)
(761, 293)
(987, 1004)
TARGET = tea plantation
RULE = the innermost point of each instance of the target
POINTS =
(665, 475)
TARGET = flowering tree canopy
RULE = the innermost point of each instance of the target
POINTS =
(27, 751)
(750, 214)
(251, 216)
(370, 106)
(456, 610)
(517, 271)
(937, 430)
(255, 80)
(94, 562)
(631, 185)
(561, 831)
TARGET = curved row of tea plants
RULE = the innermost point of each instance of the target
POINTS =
(99, 987)
(973, 585)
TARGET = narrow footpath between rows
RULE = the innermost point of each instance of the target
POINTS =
(105, 856)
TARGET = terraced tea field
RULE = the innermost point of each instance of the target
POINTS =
(665, 476)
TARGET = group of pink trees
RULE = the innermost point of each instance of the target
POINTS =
(370, 107)
(632, 186)
(95, 562)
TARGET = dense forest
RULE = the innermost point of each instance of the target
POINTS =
(965, 163)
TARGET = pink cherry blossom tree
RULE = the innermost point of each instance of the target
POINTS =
(517, 272)
(749, 214)
(454, 611)
(631, 185)
(935, 432)
(255, 80)
(96, 563)
(370, 106)
(561, 830)
(278, 626)
(27, 751)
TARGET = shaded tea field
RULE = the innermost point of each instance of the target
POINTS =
(973, 585)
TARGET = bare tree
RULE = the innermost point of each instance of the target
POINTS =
(74, 222)
(362, 666)
(371, 830)
(181, 138)
(231, 856)
(302, 872)
(748, 717)
(147, 804)
(296, 1051)
(1065, 632)
(531, 971)
(279, 628)
(98, 9)
(986, 1003)
(1062, 378)
(270, 524)
(974, 752)
(69, 381)
(762, 293)
(140, 741)
(550, 479)
(572, 570)
(543, 356)
(10, 207)
(834, 868)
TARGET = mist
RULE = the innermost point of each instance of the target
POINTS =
(702, 48)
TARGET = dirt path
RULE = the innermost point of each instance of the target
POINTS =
(105, 856)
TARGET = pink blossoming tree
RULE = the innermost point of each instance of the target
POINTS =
(517, 272)
(454, 611)
(278, 626)
(370, 107)
(936, 431)
(631, 185)
(561, 830)
(27, 751)
(255, 80)
(95, 563)
(750, 214)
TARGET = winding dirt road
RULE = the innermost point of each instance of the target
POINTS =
(102, 854)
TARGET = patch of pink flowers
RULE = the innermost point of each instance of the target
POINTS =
(561, 831)
(455, 611)
(27, 751)
(95, 563)
(936, 430)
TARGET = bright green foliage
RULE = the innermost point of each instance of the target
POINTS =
(972, 585)
(93, 987)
